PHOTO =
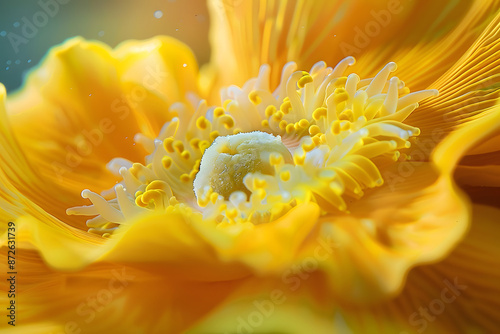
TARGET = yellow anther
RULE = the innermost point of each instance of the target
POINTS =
(166, 162)
(153, 196)
(299, 159)
(340, 82)
(185, 178)
(259, 183)
(157, 184)
(167, 144)
(303, 123)
(213, 197)
(226, 149)
(283, 124)
(195, 143)
(346, 126)
(346, 115)
(202, 202)
(285, 107)
(323, 138)
(318, 113)
(335, 128)
(270, 110)
(231, 213)
(136, 169)
(314, 130)
(275, 159)
(202, 123)
(316, 139)
(254, 97)
(236, 131)
(308, 146)
(222, 207)
(185, 155)
(285, 176)
(140, 203)
(306, 78)
(260, 193)
(138, 193)
(173, 201)
(213, 135)
(192, 173)
(226, 103)
(278, 116)
(218, 112)
(340, 95)
(228, 121)
(264, 123)
(178, 146)
(196, 166)
(290, 128)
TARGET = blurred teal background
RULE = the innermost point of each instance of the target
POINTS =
(29, 28)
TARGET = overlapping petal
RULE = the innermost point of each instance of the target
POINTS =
(83, 106)
(246, 34)
(376, 264)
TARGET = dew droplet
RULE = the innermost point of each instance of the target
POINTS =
(18, 62)
(9, 62)
(101, 33)
(16, 24)
(7, 68)
(158, 14)
(29, 60)
(184, 65)
(3, 33)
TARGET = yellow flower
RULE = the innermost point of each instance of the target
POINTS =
(268, 192)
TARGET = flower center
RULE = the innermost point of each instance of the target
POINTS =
(319, 136)
(230, 158)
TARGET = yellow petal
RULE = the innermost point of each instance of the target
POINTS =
(245, 35)
(266, 248)
(430, 40)
(107, 298)
(454, 147)
(270, 306)
(156, 73)
(458, 294)
(181, 244)
(455, 295)
(392, 229)
(468, 91)
(475, 147)
(80, 108)
(23, 191)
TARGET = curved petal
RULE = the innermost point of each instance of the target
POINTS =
(459, 294)
(180, 244)
(154, 74)
(468, 91)
(22, 189)
(107, 298)
(475, 152)
(390, 230)
(80, 108)
(265, 306)
(246, 34)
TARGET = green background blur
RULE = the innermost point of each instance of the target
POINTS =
(110, 21)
